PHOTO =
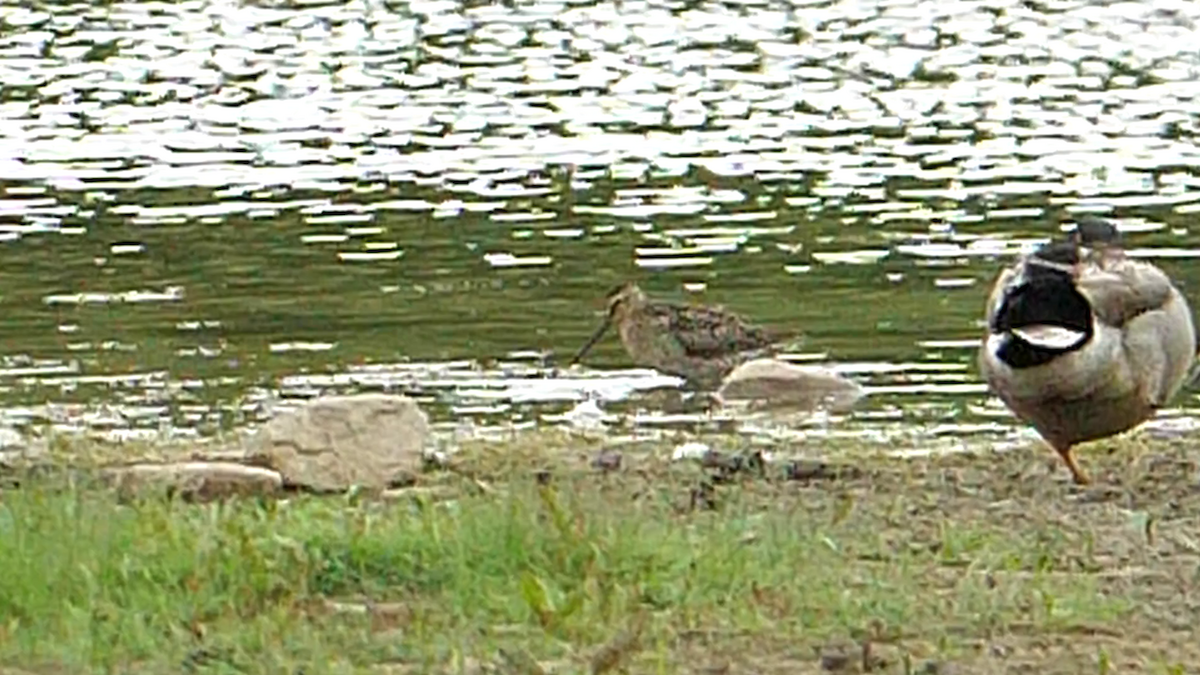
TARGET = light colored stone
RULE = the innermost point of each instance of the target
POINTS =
(690, 450)
(15, 447)
(771, 384)
(19, 454)
(334, 443)
(11, 439)
(202, 481)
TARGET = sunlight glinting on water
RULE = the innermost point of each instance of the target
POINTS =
(212, 212)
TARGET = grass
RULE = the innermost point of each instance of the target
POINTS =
(525, 559)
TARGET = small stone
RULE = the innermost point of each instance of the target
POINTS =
(200, 481)
(934, 667)
(879, 656)
(734, 463)
(16, 450)
(836, 661)
(717, 460)
(11, 439)
(841, 656)
(802, 470)
(729, 466)
(690, 450)
(607, 460)
(371, 440)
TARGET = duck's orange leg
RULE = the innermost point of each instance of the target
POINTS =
(1077, 474)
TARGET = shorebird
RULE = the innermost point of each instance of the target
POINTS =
(1084, 343)
(698, 343)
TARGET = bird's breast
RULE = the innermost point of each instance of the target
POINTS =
(1098, 365)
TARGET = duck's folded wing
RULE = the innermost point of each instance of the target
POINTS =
(708, 332)
(1122, 290)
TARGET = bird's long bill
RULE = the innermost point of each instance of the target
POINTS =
(587, 346)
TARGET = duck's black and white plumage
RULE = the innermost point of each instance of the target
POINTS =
(1083, 342)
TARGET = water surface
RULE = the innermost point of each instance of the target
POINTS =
(212, 210)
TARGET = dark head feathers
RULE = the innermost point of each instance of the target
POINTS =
(1091, 230)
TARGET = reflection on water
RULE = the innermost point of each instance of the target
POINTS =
(210, 209)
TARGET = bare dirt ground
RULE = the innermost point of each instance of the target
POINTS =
(1132, 536)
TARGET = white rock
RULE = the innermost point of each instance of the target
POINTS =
(690, 450)
(11, 439)
(333, 443)
(771, 384)
(16, 449)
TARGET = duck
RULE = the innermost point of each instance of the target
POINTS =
(700, 344)
(1083, 342)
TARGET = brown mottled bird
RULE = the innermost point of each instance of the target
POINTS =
(1084, 343)
(698, 343)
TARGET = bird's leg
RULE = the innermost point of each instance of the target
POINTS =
(1077, 474)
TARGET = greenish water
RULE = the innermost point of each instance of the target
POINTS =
(313, 198)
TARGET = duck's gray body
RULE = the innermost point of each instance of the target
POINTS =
(1126, 351)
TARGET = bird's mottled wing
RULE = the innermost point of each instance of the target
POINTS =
(707, 332)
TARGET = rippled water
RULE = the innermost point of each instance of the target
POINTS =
(211, 209)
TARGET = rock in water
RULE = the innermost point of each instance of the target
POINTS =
(335, 442)
(771, 384)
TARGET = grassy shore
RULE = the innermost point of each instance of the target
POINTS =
(526, 558)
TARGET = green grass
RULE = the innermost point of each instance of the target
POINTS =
(511, 571)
